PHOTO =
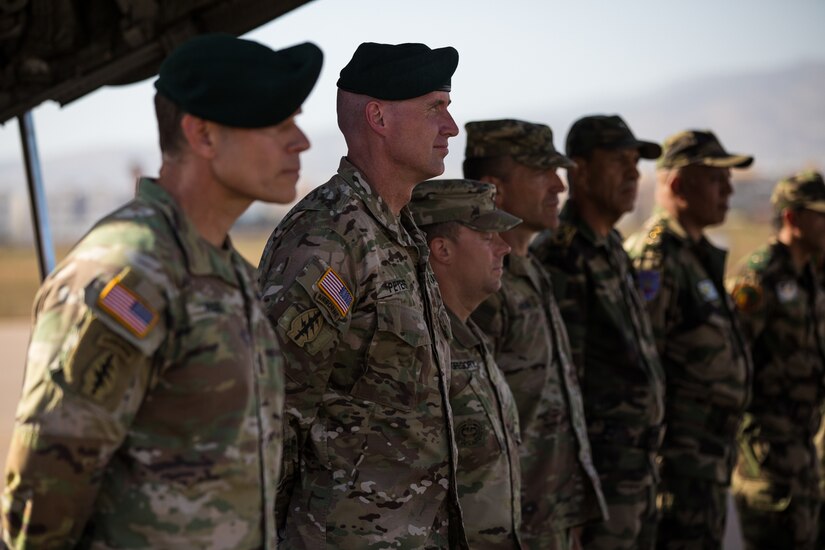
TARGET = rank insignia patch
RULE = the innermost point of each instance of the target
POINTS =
(335, 289)
(127, 308)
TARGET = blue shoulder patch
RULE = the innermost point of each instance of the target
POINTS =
(649, 284)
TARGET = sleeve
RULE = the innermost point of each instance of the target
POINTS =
(88, 368)
(751, 302)
(661, 301)
(490, 317)
(308, 295)
(568, 274)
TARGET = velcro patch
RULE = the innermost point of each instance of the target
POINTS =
(335, 289)
(748, 296)
(469, 364)
(707, 290)
(649, 284)
(127, 308)
(305, 327)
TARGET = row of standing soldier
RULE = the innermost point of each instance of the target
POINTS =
(439, 393)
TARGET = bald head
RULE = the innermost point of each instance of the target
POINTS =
(352, 118)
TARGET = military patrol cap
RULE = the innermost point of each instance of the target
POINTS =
(237, 82)
(803, 190)
(699, 147)
(528, 143)
(397, 72)
(606, 132)
(468, 202)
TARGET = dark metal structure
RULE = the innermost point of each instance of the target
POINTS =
(61, 50)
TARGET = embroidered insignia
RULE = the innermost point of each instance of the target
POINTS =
(747, 296)
(335, 289)
(127, 308)
(391, 287)
(707, 290)
(306, 327)
(464, 365)
(649, 284)
(787, 291)
(99, 378)
(469, 433)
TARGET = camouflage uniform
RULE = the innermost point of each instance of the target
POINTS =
(369, 457)
(487, 437)
(782, 307)
(619, 371)
(151, 410)
(560, 487)
(708, 374)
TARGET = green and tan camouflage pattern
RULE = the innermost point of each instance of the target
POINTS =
(699, 338)
(802, 190)
(487, 437)
(698, 147)
(560, 485)
(469, 202)
(169, 440)
(369, 453)
(783, 315)
(528, 143)
(621, 378)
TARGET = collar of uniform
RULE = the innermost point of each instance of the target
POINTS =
(201, 257)
(782, 254)
(517, 265)
(570, 214)
(462, 331)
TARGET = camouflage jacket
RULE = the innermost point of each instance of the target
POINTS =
(783, 316)
(701, 345)
(151, 409)
(487, 437)
(370, 453)
(560, 486)
(612, 346)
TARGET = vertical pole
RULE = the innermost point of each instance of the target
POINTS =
(37, 195)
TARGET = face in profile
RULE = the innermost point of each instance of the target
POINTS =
(479, 257)
(532, 194)
(706, 191)
(611, 180)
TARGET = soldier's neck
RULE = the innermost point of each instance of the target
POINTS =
(596, 218)
(392, 183)
(693, 229)
(800, 254)
(519, 239)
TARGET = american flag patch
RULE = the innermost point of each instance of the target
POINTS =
(335, 289)
(127, 308)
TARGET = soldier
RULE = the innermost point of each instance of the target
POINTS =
(152, 315)
(370, 455)
(560, 486)
(612, 344)
(462, 226)
(782, 308)
(697, 334)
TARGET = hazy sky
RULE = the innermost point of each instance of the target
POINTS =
(515, 57)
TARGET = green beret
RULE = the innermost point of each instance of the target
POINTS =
(699, 147)
(397, 72)
(237, 82)
(468, 202)
(606, 132)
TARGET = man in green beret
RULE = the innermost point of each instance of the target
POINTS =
(612, 344)
(706, 360)
(369, 458)
(782, 308)
(153, 395)
(560, 488)
(462, 226)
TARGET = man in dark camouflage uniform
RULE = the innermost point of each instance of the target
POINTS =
(612, 343)
(782, 307)
(462, 226)
(560, 487)
(369, 457)
(698, 336)
(152, 404)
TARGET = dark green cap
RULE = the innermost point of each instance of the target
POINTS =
(398, 72)
(606, 132)
(237, 82)
(803, 190)
(699, 147)
(468, 202)
(528, 143)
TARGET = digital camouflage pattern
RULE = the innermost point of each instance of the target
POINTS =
(708, 367)
(621, 378)
(487, 437)
(560, 486)
(528, 143)
(698, 147)
(776, 479)
(472, 203)
(161, 429)
(802, 190)
(369, 456)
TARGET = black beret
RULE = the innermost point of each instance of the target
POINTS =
(237, 82)
(397, 72)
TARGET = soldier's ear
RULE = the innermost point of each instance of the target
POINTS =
(441, 250)
(199, 135)
(376, 116)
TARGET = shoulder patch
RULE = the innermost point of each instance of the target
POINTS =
(127, 307)
(563, 235)
(747, 295)
(787, 291)
(650, 281)
(707, 290)
(335, 289)
(305, 327)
